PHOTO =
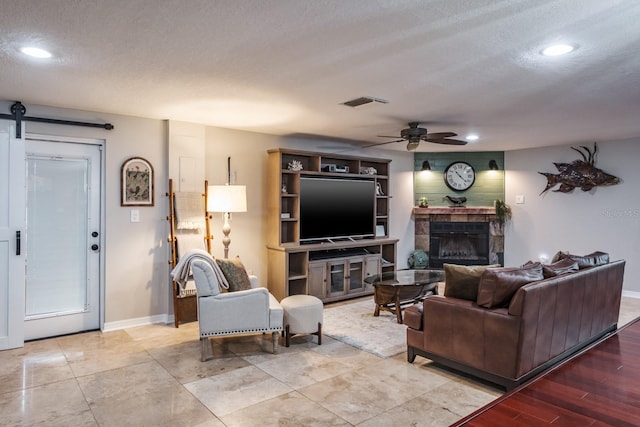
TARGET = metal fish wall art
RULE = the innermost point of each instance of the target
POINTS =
(580, 174)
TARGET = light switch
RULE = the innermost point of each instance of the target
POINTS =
(520, 199)
(135, 215)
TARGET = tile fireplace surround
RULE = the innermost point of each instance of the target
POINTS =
(424, 216)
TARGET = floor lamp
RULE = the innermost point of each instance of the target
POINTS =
(227, 199)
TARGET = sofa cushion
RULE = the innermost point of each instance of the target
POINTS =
(461, 281)
(235, 273)
(584, 261)
(563, 266)
(497, 285)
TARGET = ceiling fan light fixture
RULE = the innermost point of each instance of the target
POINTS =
(412, 145)
(558, 49)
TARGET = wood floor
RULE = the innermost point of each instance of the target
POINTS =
(598, 387)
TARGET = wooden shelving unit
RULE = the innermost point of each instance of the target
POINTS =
(330, 271)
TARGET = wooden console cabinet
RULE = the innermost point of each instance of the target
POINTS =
(330, 271)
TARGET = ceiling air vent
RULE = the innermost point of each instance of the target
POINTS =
(364, 100)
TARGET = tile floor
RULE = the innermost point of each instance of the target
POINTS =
(152, 376)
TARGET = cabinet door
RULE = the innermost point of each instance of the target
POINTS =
(337, 277)
(372, 266)
(355, 275)
(317, 279)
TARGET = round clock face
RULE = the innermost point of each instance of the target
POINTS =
(459, 176)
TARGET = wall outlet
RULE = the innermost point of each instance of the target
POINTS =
(520, 199)
(135, 215)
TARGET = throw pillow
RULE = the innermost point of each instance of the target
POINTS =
(461, 281)
(590, 260)
(498, 285)
(563, 266)
(235, 273)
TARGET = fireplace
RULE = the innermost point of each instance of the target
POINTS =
(459, 235)
(465, 243)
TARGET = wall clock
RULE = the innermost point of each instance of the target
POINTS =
(459, 176)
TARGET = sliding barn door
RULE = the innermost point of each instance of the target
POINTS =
(12, 228)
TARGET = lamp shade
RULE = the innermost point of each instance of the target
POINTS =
(227, 198)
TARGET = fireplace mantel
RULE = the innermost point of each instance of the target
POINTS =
(445, 210)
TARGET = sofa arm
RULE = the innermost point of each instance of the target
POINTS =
(413, 317)
(234, 311)
(464, 332)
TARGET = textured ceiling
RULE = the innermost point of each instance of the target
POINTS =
(285, 66)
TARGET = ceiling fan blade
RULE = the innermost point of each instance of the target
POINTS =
(382, 143)
(388, 136)
(448, 141)
(438, 135)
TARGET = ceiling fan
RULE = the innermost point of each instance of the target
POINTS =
(414, 134)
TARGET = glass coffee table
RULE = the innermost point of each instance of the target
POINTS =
(395, 290)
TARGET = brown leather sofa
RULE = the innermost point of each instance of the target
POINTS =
(544, 322)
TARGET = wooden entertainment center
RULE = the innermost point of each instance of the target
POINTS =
(334, 269)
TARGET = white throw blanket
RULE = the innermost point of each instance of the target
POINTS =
(183, 269)
(190, 211)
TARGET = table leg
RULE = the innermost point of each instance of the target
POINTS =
(398, 309)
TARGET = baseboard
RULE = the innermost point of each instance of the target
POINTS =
(631, 294)
(140, 321)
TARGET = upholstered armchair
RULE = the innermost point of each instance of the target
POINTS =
(250, 311)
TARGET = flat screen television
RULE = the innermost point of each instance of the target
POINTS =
(332, 208)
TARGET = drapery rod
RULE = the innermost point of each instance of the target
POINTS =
(18, 114)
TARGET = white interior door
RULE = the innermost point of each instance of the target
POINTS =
(63, 238)
(12, 226)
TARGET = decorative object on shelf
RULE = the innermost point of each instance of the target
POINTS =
(459, 176)
(368, 171)
(227, 199)
(423, 202)
(380, 231)
(136, 187)
(284, 188)
(295, 165)
(456, 202)
(418, 260)
(379, 191)
(579, 174)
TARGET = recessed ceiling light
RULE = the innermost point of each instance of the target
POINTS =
(35, 52)
(558, 49)
(472, 137)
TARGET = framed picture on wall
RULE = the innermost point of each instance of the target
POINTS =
(136, 183)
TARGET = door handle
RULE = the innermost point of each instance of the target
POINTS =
(18, 242)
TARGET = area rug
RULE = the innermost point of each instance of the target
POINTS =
(354, 324)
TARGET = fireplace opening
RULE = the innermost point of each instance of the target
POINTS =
(465, 243)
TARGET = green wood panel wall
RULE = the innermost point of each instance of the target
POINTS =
(489, 185)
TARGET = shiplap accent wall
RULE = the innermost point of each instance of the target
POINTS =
(489, 185)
